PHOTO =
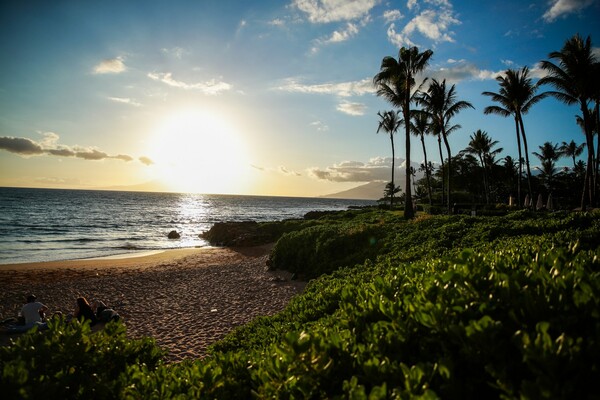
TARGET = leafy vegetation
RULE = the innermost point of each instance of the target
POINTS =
(447, 306)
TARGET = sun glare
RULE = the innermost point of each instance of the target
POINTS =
(199, 151)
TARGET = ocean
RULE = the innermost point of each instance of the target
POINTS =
(53, 224)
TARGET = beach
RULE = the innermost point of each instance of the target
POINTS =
(186, 299)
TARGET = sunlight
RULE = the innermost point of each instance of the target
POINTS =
(199, 151)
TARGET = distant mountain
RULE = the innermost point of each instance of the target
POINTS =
(369, 191)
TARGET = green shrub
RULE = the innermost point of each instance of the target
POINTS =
(444, 307)
(69, 361)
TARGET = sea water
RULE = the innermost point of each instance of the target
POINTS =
(51, 225)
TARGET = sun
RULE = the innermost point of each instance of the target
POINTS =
(199, 151)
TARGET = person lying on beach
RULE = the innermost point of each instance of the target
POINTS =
(105, 314)
(84, 311)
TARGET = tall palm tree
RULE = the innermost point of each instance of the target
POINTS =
(441, 105)
(396, 82)
(389, 122)
(420, 126)
(481, 145)
(516, 96)
(572, 150)
(573, 78)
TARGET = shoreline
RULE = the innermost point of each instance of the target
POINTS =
(116, 260)
(170, 296)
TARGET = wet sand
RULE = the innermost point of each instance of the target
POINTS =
(186, 299)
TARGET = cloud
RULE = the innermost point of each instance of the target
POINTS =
(211, 87)
(342, 89)
(125, 100)
(433, 24)
(110, 66)
(283, 170)
(344, 34)
(277, 22)
(49, 146)
(320, 126)
(376, 169)
(145, 160)
(123, 157)
(392, 15)
(324, 11)
(177, 52)
(349, 108)
(561, 8)
(460, 70)
(22, 146)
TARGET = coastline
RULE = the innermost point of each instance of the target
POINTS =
(113, 261)
(186, 299)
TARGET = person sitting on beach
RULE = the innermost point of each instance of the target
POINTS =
(84, 311)
(105, 314)
(33, 313)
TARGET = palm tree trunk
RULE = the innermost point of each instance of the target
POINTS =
(526, 157)
(588, 190)
(443, 170)
(485, 181)
(520, 162)
(449, 186)
(597, 172)
(427, 171)
(393, 168)
(409, 212)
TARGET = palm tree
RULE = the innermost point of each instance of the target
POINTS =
(511, 171)
(420, 126)
(481, 145)
(516, 96)
(390, 122)
(549, 154)
(441, 106)
(395, 82)
(572, 150)
(573, 78)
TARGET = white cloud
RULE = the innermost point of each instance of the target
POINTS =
(344, 34)
(342, 89)
(433, 23)
(323, 11)
(177, 52)
(125, 100)
(320, 126)
(110, 66)
(209, 87)
(349, 108)
(277, 22)
(376, 169)
(460, 70)
(392, 15)
(561, 8)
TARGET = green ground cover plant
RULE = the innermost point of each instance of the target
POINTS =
(446, 307)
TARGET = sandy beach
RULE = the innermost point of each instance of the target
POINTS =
(186, 299)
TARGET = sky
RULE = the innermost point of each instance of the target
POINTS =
(254, 97)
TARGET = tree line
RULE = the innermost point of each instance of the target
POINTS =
(475, 174)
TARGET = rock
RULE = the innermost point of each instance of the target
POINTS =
(173, 235)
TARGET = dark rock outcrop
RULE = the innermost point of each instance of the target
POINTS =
(173, 235)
